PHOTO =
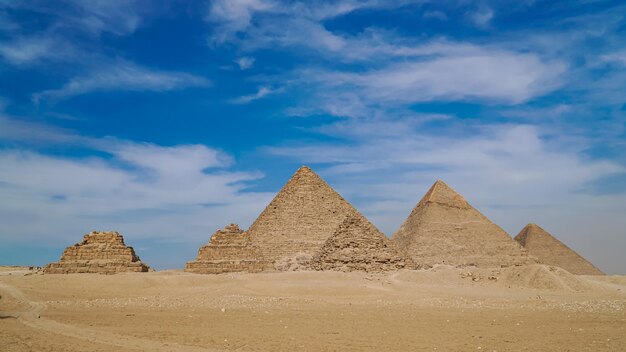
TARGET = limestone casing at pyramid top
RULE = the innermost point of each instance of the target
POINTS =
(443, 194)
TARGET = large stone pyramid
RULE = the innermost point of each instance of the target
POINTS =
(302, 216)
(551, 251)
(358, 245)
(99, 252)
(228, 250)
(445, 229)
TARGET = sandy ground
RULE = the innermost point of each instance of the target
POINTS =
(533, 308)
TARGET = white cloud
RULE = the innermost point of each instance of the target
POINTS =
(174, 194)
(144, 190)
(124, 76)
(261, 92)
(235, 16)
(437, 71)
(491, 75)
(245, 63)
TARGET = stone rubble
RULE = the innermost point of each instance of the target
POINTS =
(358, 245)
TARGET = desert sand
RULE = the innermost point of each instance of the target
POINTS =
(524, 308)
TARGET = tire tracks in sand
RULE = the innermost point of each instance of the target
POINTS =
(32, 318)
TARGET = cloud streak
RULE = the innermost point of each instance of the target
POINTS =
(123, 76)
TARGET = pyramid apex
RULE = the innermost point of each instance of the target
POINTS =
(443, 194)
(304, 168)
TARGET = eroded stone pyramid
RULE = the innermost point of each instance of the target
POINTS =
(302, 216)
(358, 245)
(445, 229)
(99, 252)
(228, 250)
(551, 251)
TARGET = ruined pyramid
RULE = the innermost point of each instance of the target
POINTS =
(445, 229)
(229, 250)
(551, 251)
(358, 245)
(297, 222)
(99, 252)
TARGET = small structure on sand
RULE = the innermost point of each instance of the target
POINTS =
(99, 252)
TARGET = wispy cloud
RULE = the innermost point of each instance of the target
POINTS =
(482, 16)
(479, 74)
(120, 17)
(261, 93)
(438, 15)
(24, 50)
(433, 72)
(123, 76)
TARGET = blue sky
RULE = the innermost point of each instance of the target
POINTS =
(168, 121)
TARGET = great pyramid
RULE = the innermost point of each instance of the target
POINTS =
(445, 229)
(358, 245)
(99, 252)
(302, 216)
(228, 250)
(551, 251)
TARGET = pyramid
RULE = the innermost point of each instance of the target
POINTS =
(99, 252)
(551, 251)
(358, 245)
(297, 222)
(229, 250)
(445, 229)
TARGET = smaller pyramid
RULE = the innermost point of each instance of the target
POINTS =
(100, 253)
(539, 243)
(356, 244)
(229, 250)
(300, 218)
(444, 228)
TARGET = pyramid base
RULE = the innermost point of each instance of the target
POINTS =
(95, 267)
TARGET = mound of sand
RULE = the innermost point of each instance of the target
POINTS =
(543, 277)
